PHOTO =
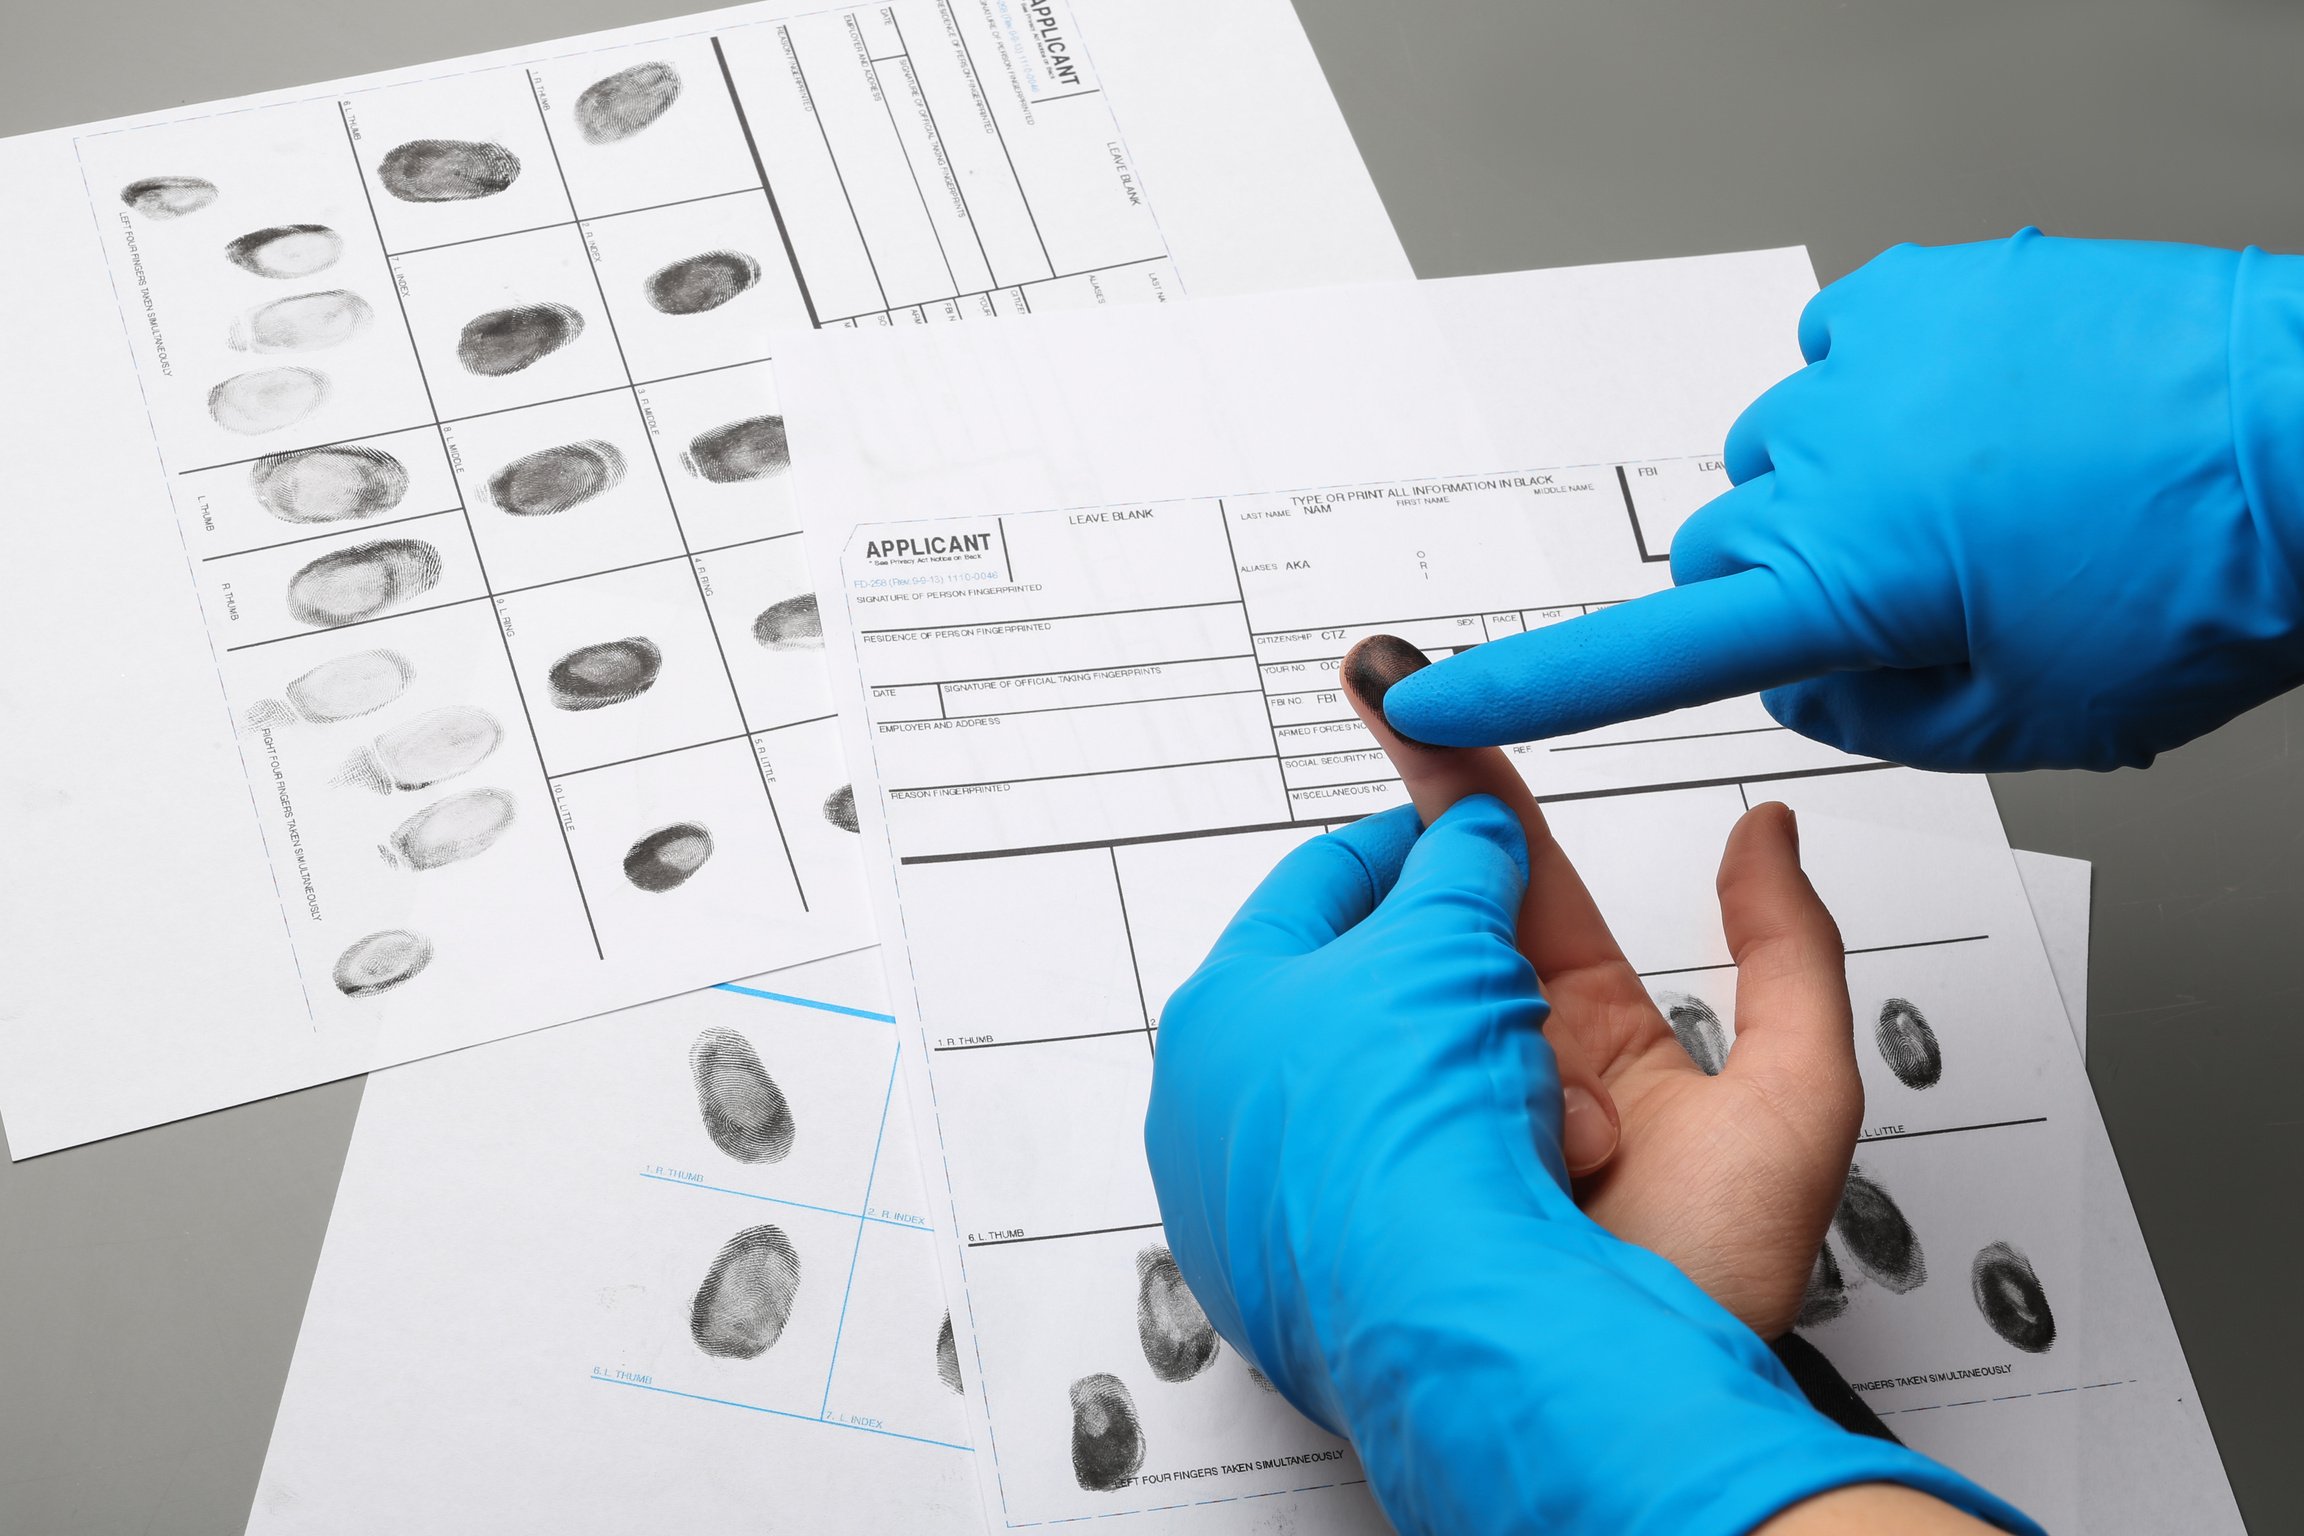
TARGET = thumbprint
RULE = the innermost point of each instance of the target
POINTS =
(751, 449)
(267, 399)
(2008, 1293)
(666, 857)
(840, 808)
(1908, 1045)
(305, 322)
(947, 1355)
(1107, 1442)
(381, 961)
(422, 752)
(328, 485)
(463, 826)
(286, 250)
(447, 170)
(620, 105)
(1879, 1239)
(746, 1298)
(694, 284)
(1178, 1339)
(507, 340)
(791, 624)
(1698, 1030)
(1827, 1294)
(612, 672)
(349, 686)
(744, 1111)
(168, 197)
(362, 580)
(554, 479)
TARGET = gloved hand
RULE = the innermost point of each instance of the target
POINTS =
(2033, 503)
(1354, 1134)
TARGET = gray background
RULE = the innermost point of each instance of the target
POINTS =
(150, 1287)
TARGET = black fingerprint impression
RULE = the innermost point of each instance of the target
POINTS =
(381, 961)
(1698, 1030)
(840, 808)
(554, 479)
(694, 284)
(507, 340)
(168, 197)
(1827, 1294)
(751, 449)
(328, 485)
(1177, 1337)
(746, 1298)
(947, 1355)
(1908, 1045)
(447, 170)
(285, 250)
(620, 105)
(665, 858)
(1107, 1441)
(463, 826)
(2008, 1293)
(362, 580)
(1877, 1236)
(304, 322)
(744, 1111)
(791, 624)
(349, 686)
(267, 399)
(612, 672)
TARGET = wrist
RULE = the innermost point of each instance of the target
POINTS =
(2267, 395)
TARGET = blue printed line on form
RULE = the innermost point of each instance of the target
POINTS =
(798, 1205)
(807, 1002)
(781, 1413)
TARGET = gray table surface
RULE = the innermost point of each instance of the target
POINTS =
(150, 1286)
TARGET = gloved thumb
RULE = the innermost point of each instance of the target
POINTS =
(1469, 869)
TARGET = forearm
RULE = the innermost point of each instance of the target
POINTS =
(1874, 1509)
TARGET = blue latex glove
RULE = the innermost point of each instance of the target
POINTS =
(2033, 503)
(1355, 1133)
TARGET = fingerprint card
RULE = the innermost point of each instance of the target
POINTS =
(418, 502)
(1090, 690)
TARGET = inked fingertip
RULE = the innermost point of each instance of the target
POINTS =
(1374, 666)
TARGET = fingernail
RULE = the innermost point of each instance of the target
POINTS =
(1587, 1134)
(1375, 664)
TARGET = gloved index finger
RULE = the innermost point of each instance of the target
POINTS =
(1686, 645)
(1321, 889)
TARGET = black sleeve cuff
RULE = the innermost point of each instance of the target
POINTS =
(1826, 1391)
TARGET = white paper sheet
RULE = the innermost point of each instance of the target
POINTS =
(533, 597)
(1085, 646)
(2057, 890)
(495, 1272)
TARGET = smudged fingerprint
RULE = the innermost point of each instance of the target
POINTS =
(2008, 1293)
(381, 961)
(417, 754)
(507, 340)
(791, 624)
(362, 580)
(694, 284)
(267, 399)
(447, 170)
(168, 197)
(328, 485)
(554, 479)
(349, 686)
(947, 1355)
(1263, 1382)
(1908, 1045)
(305, 322)
(751, 449)
(744, 1112)
(1878, 1237)
(1698, 1030)
(1827, 1295)
(1177, 1337)
(285, 250)
(612, 672)
(463, 826)
(666, 857)
(840, 808)
(1107, 1441)
(620, 105)
(746, 1298)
